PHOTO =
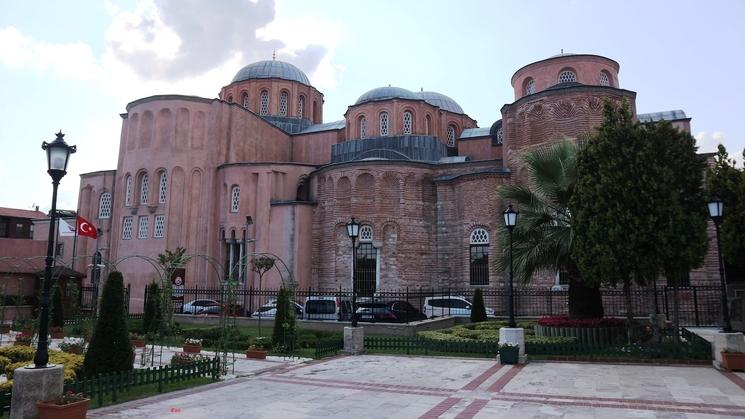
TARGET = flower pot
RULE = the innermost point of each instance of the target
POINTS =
(509, 355)
(49, 410)
(733, 360)
(138, 343)
(192, 349)
(255, 354)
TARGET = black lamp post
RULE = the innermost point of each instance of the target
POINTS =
(58, 154)
(510, 220)
(353, 229)
(716, 212)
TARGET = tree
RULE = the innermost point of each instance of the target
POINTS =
(637, 205)
(169, 262)
(478, 311)
(260, 265)
(57, 318)
(727, 182)
(110, 349)
(152, 315)
(284, 321)
(542, 240)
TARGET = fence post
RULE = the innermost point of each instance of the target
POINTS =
(129, 297)
(114, 385)
(667, 306)
(407, 302)
(695, 304)
(160, 379)
(99, 382)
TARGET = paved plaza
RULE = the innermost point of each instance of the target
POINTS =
(373, 386)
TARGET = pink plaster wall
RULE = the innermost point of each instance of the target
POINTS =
(315, 148)
(546, 72)
(274, 87)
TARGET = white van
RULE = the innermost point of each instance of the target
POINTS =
(326, 307)
(450, 305)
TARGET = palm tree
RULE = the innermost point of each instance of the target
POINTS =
(543, 238)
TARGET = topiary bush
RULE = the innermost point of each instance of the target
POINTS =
(478, 311)
(284, 321)
(110, 349)
(57, 318)
(152, 316)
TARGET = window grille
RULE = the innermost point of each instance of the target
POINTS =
(160, 225)
(163, 188)
(384, 123)
(127, 228)
(367, 272)
(144, 189)
(479, 272)
(144, 225)
(366, 234)
(451, 136)
(235, 200)
(128, 192)
(604, 79)
(245, 100)
(567, 76)
(530, 87)
(499, 136)
(283, 104)
(479, 236)
(104, 205)
(407, 122)
(363, 128)
(300, 106)
(264, 103)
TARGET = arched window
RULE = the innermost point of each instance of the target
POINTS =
(366, 234)
(300, 106)
(144, 189)
(127, 228)
(283, 104)
(408, 121)
(363, 128)
(384, 123)
(235, 199)
(367, 263)
(451, 135)
(264, 108)
(230, 99)
(427, 125)
(479, 257)
(529, 87)
(499, 135)
(567, 76)
(604, 78)
(163, 190)
(160, 226)
(128, 185)
(104, 205)
(245, 100)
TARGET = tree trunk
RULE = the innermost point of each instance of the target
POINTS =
(585, 301)
(629, 309)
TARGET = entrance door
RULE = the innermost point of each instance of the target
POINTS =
(367, 259)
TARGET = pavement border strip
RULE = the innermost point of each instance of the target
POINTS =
(357, 386)
(476, 382)
(375, 385)
(569, 401)
(739, 381)
(472, 409)
(440, 408)
(500, 384)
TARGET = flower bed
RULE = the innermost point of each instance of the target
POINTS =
(600, 331)
(488, 332)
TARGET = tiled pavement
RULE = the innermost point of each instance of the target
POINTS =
(424, 387)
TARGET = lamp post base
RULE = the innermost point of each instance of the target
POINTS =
(354, 340)
(31, 385)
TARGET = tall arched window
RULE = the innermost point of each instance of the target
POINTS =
(245, 100)
(144, 189)
(427, 125)
(230, 99)
(264, 108)
(367, 263)
(479, 257)
(500, 135)
(363, 128)
(128, 185)
(300, 106)
(235, 199)
(529, 87)
(104, 205)
(384, 123)
(283, 104)
(604, 78)
(408, 121)
(567, 76)
(451, 135)
(163, 190)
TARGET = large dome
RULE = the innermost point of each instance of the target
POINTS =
(382, 93)
(270, 69)
(441, 101)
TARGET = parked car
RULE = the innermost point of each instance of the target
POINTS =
(270, 310)
(327, 307)
(201, 307)
(391, 312)
(450, 305)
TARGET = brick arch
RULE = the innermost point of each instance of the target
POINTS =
(364, 191)
(146, 129)
(391, 194)
(132, 130)
(343, 195)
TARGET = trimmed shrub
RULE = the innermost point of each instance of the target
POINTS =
(18, 353)
(110, 349)
(478, 311)
(564, 321)
(57, 318)
(284, 321)
(152, 315)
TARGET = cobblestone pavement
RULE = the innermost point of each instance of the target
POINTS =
(373, 386)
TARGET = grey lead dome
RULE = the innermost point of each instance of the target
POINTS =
(443, 102)
(270, 69)
(382, 93)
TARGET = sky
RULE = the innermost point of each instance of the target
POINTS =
(74, 65)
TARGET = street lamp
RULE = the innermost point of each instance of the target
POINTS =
(716, 212)
(510, 220)
(58, 155)
(353, 230)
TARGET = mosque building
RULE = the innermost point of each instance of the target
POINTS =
(412, 167)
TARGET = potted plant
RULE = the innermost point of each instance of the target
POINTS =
(255, 352)
(138, 340)
(72, 345)
(67, 406)
(192, 345)
(733, 360)
(508, 353)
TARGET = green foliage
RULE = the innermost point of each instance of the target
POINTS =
(727, 182)
(261, 264)
(152, 316)
(478, 312)
(56, 316)
(169, 262)
(110, 349)
(488, 333)
(284, 320)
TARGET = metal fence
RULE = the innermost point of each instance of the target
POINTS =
(697, 305)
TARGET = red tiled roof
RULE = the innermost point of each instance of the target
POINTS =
(21, 213)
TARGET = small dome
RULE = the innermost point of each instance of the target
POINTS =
(382, 93)
(271, 69)
(441, 101)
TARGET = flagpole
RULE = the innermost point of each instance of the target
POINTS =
(75, 239)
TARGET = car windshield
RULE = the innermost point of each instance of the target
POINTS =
(320, 307)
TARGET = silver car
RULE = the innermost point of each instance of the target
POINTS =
(201, 307)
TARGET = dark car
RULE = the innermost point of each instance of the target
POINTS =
(388, 312)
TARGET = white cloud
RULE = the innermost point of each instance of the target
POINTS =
(707, 142)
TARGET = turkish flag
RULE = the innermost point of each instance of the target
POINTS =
(85, 228)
